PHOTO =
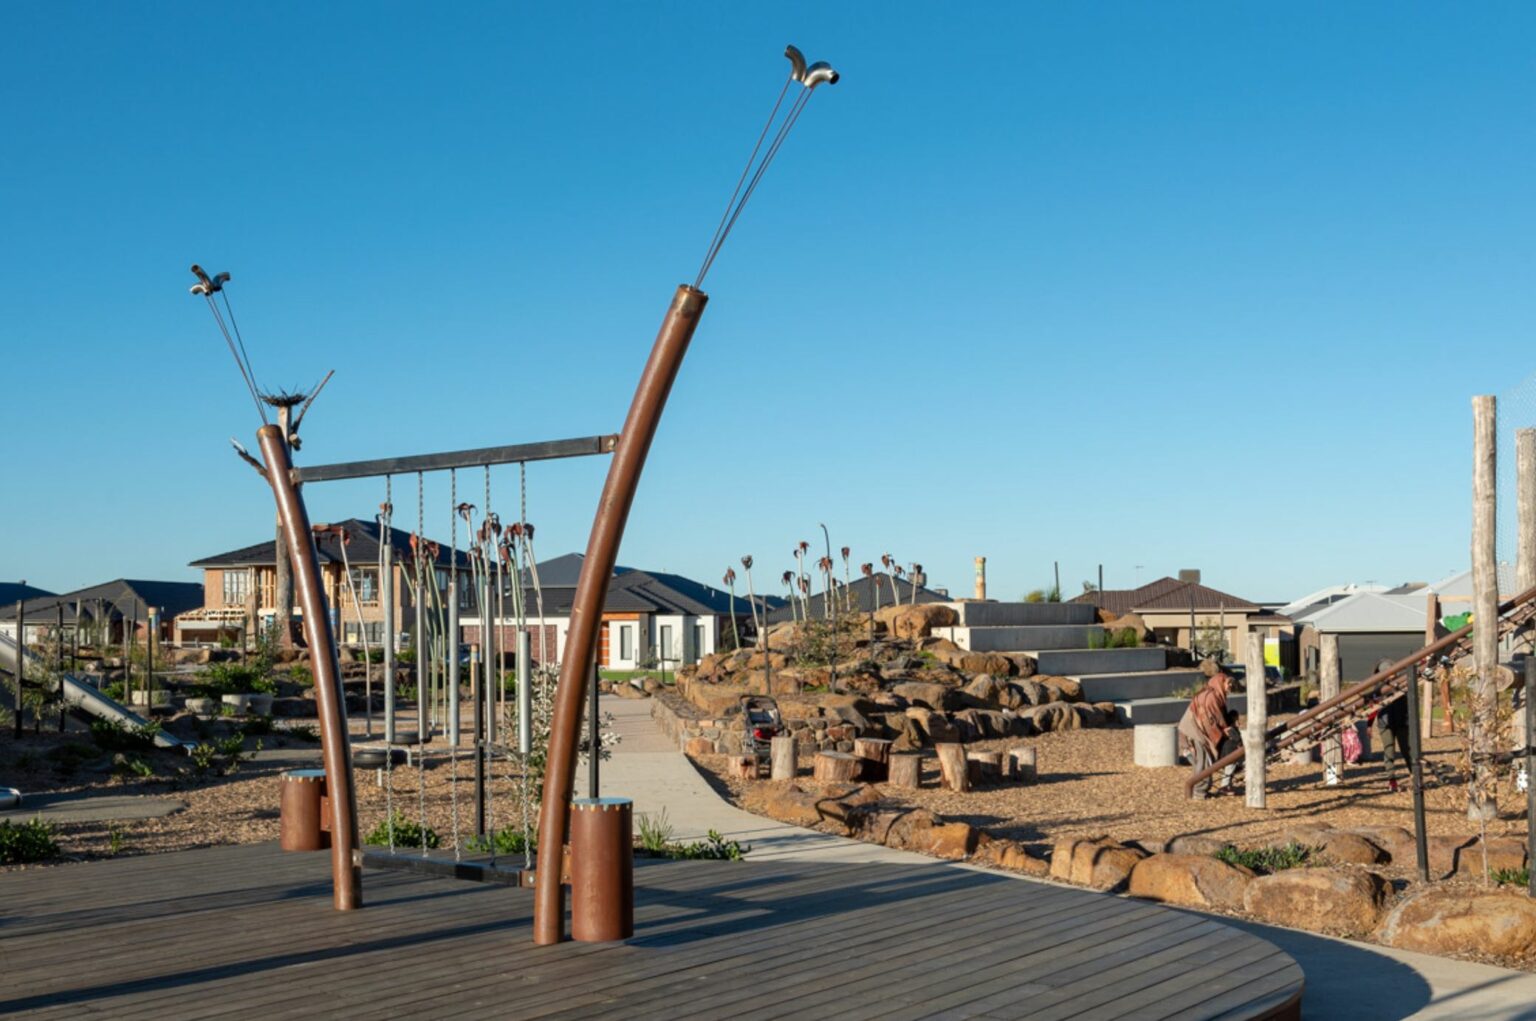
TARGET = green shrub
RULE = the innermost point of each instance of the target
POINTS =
(219, 679)
(25, 842)
(132, 767)
(303, 731)
(713, 848)
(112, 736)
(508, 840)
(301, 675)
(256, 726)
(655, 831)
(1269, 859)
(406, 833)
(1512, 877)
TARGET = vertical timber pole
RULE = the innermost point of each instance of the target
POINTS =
(1485, 598)
(1328, 687)
(1427, 696)
(1257, 722)
(21, 658)
(345, 872)
(592, 589)
(1416, 774)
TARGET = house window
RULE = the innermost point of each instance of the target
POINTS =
(698, 642)
(237, 585)
(466, 594)
(666, 642)
(626, 642)
(442, 580)
(365, 583)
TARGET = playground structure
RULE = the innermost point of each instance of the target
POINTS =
(276, 442)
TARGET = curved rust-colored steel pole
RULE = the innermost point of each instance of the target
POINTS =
(345, 873)
(591, 591)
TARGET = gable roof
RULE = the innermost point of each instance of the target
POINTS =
(1369, 611)
(631, 590)
(866, 591)
(10, 591)
(1458, 586)
(125, 597)
(1167, 595)
(363, 548)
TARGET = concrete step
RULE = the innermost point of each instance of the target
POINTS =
(1133, 684)
(1024, 614)
(1021, 638)
(1165, 710)
(1068, 661)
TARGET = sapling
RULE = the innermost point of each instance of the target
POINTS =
(757, 625)
(847, 581)
(730, 584)
(789, 587)
(889, 563)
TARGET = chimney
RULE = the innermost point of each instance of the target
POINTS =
(981, 577)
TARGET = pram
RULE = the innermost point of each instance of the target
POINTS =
(761, 722)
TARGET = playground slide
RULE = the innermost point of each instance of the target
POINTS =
(84, 696)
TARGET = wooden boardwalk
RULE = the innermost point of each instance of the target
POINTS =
(248, 931)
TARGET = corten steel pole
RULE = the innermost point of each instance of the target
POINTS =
(593, 737)
(1416, 773)
(346, 875)
(591, 590)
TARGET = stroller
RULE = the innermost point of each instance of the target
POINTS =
(761, 722)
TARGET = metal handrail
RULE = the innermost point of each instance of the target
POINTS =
(1287, 733)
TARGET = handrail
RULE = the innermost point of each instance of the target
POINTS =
(1359, 690)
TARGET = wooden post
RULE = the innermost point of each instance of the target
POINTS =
(836, 766)
(1023, 765)
(1485, 594)
(952, 766)
(781, 752)
(876, 753)
(906, 770)
(1328, 687)
(987, 766)
(1427, 691)
(1257, 723)
(1525, 505)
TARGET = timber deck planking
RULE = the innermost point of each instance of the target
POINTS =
(242, 931)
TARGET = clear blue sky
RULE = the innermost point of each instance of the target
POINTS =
(1171, 285)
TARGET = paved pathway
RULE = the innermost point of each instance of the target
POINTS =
(1345, 979)
(84, 807)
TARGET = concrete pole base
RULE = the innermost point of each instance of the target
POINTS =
(1156, 744)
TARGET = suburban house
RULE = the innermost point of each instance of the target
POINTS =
(240, 586)
(649, 617)
(864, 593)
(1372, 624)
(108, 612)
(1185, 613)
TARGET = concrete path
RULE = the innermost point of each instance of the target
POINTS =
(82, 807)
(1346, 980)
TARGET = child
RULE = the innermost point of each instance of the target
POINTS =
(1231, 741)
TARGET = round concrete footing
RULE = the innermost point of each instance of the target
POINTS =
(1157, 744)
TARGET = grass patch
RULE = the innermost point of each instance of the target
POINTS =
(406, 834)
(1268, 860)
(1512, 877)
(506, 840)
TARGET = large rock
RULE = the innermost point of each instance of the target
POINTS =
(1065, 688)
(1324, 900)
(1190, 880)
(932, 727)
(1337, 846)
(1132, 622)
(788, 803)
(697, 746)
(932, 696)
(1024, 665)
(914, 622)
(1453, 920)
(1052, 716)
(1396, 841)
(983, 663)
(920, 830)
(1011, 855)
(1099, 862)
(1032, 692)
(983, 691)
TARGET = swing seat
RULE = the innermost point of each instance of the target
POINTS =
(378, 757)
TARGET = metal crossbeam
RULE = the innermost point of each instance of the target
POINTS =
(547, 450)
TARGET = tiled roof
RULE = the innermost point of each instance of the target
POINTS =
(125, 597)
(1166, 594)
(363, 549)
(863, 590)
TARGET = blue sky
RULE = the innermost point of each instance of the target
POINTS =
(1168, 285)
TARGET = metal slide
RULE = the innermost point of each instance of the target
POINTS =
(1355, 703)
(83, 695)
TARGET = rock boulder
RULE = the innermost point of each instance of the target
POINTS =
(1323, 900)
(1452, 920)
(1190, 880)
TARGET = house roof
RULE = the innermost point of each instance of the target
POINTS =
(1458, 586)
(363, 548)
(1167, 595)
(1369, 611)
(863, 589)
(631, 590)
(10, 591)
(1324, 596)
(125, 597)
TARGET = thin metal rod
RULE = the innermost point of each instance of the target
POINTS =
(453, 652)
(584, 446)
(475, 684)
(1416, 774)
(524, 693)
(594, 741)
(613, 506)
(346, 875)
(388, 597)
